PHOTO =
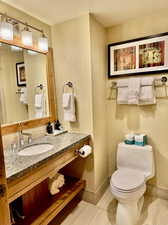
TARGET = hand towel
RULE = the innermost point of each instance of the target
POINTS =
(133, 90)
(122, 83)
(38, 100)
(66, 100)
(147, 81)
(69, 112)
(40, 105)
(147, 94)
(23, 95)
(122, 94)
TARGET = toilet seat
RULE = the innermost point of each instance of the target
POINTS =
(127, 180)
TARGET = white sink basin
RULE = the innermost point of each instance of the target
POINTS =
(35, 149)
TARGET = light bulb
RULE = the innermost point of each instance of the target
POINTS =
(16, 49)
(27, 37)
(6, 31)
(43, 43)
(30, 52)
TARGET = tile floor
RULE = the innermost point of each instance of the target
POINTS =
(155, 212)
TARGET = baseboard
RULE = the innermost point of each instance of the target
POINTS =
(94, 197)
(157, 192)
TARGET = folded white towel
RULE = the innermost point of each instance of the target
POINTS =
(147, 95)
(23, 95)
(40, 105)
(147, 81)
(122, 95)
(66, 100)
(69, 113)
(133, 90)
(122, 83)
(38, 100)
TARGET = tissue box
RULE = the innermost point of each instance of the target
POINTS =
(140, 139)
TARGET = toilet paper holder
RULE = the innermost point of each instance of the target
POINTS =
(83, 152)
(77, 152)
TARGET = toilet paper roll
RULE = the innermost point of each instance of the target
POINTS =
(85, 151)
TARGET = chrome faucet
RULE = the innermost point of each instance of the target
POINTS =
(21, 137)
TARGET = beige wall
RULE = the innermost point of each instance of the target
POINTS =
(151, 120)
(71, 43)
(98, 69)
(79, 52)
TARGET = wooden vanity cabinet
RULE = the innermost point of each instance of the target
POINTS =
(38, 205)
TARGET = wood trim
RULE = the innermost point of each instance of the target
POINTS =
(17, 42)
(46, 217)
(12, 128)
(4, 207)
(52, 205)
(51, 85)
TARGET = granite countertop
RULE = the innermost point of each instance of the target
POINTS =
(16, 165)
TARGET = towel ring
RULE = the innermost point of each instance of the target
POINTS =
(39, 87)
(70, 85)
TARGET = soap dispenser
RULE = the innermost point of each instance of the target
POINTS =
(57, 125)
(49, 128)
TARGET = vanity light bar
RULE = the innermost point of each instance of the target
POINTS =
(26, 34)
(21, 22)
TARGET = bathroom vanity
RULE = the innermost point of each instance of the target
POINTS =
(27, 177)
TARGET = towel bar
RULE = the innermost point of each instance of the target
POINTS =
(163, 80)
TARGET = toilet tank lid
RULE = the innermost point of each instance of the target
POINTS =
(135, 147)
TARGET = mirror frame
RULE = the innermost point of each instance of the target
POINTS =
(28, 124)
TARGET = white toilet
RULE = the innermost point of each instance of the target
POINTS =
(135, 165)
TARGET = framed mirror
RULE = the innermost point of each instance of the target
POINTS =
(26, 88)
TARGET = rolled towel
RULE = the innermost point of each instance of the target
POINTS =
(55, 183)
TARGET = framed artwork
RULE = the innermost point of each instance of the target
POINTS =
(138, 56)
(20, 74)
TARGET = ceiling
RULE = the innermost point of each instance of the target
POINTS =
(108, 12)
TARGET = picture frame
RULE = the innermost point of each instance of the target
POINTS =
(20, 74)
(146, 55)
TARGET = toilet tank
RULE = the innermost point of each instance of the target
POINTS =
(136, 157)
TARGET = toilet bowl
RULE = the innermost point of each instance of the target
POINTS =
(128, 182)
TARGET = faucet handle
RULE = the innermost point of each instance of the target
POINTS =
(21, 141)
(30, 139)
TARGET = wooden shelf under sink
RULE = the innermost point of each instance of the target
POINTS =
(54, 204)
